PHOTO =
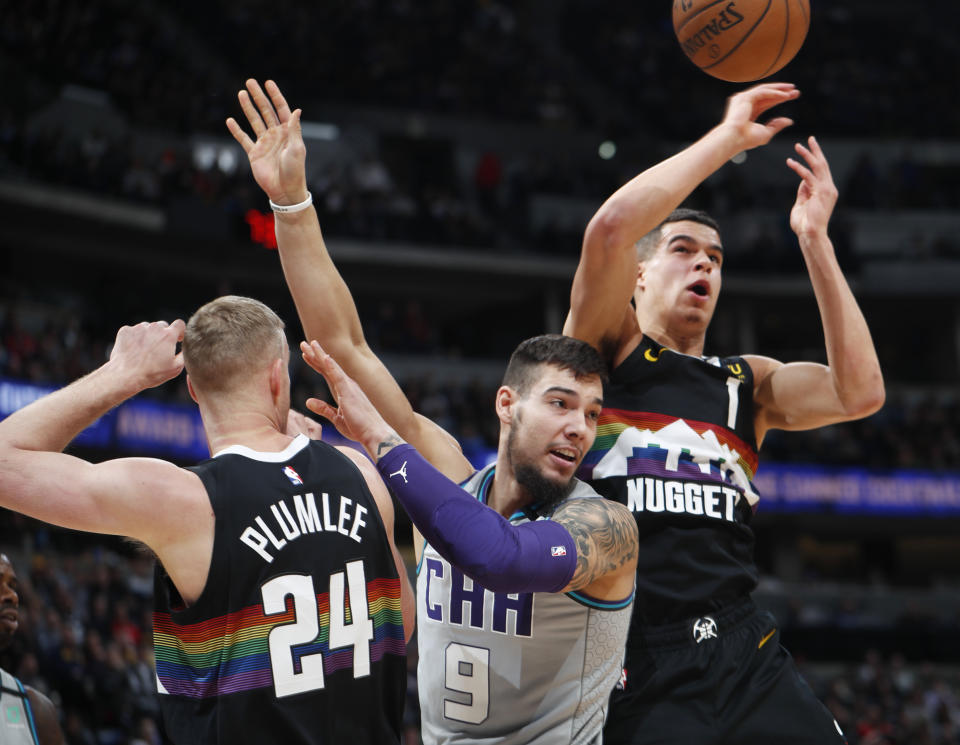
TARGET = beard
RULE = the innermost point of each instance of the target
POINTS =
(544, 493)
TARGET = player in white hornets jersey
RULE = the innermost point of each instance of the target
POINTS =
(553, 656)
(523, 611)
(28, 716)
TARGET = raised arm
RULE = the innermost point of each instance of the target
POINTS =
(555, 555)
(804, 395)
(607, 273)
(147, 499)
(324, 303)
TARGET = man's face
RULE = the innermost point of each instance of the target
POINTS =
(553, 426)
(681, 279)
(9, 601)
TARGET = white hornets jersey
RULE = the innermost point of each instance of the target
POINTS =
(515, 668)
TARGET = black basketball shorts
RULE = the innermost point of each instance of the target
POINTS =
(722, 679)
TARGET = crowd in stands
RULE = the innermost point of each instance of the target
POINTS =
(888, 701)
(564, 64)
(170, 71)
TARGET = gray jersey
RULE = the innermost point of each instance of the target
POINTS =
(513, 668)
(16, 715)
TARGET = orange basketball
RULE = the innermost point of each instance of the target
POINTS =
(741, 40)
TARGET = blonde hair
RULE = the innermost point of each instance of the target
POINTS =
(230, 337)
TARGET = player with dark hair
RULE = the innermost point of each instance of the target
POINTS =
(282, 607)
(679, 434)
(28, 716)
(525, 581)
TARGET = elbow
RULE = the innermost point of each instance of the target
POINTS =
(869, 399)
(606, 229)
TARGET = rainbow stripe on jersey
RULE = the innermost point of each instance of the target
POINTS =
(229, 653)
(613, 422)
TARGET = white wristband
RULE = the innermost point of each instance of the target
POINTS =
(292, 207)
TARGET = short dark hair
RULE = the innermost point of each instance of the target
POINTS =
(647, 244)
(563, 352)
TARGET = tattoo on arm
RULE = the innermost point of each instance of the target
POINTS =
(606, 537)
(387, 445)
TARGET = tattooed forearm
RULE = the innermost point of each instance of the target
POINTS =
(385, 446)
(606, 537)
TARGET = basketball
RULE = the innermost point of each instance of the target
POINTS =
(741, 40)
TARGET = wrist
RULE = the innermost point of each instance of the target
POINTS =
(118, 381)
(289, 197)
(727, 139)
(381, 442)
(281, 208)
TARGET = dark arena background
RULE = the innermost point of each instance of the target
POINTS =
(456, 151)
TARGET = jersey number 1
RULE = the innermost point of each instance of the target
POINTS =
(305, 627)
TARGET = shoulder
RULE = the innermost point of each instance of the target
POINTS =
(357, 458)
(378, 490)
(761, 366)
(587, 511)
(48, 726)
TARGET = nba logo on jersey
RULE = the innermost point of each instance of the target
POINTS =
(293, 476)
(558, 551)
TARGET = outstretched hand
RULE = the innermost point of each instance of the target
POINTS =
(146, 354)
(354, 416)
(278, 156)
(817, 194)
(745, 107)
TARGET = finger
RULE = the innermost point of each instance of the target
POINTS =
(310, 356)
(800, 170)
(778, 124)
(770, 99)
(279, 102)
(821, 159)
(178, 363)
(262, 102)
(322, 408)
(331, 366)
(180, 327)
(816, 165)
(774, 86)
(250, 111)
(242, 138)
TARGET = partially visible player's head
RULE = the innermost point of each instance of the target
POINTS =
(678, 283)
(549, 404)
(9, 601)
(230, 338)
(562, 352)
(651, 241)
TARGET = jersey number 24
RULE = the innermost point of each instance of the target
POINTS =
(305, 627)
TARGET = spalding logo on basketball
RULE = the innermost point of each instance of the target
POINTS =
(741, 40)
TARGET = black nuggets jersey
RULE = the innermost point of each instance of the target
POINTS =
(297, 637)
(675, 444)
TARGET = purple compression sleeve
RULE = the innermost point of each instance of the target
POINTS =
(534, 557)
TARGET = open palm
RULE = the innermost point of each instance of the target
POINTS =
(816, 195)
(277, 156)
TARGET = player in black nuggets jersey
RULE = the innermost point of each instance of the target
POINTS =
(28, 716)
(282, 606)
(679, 433)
